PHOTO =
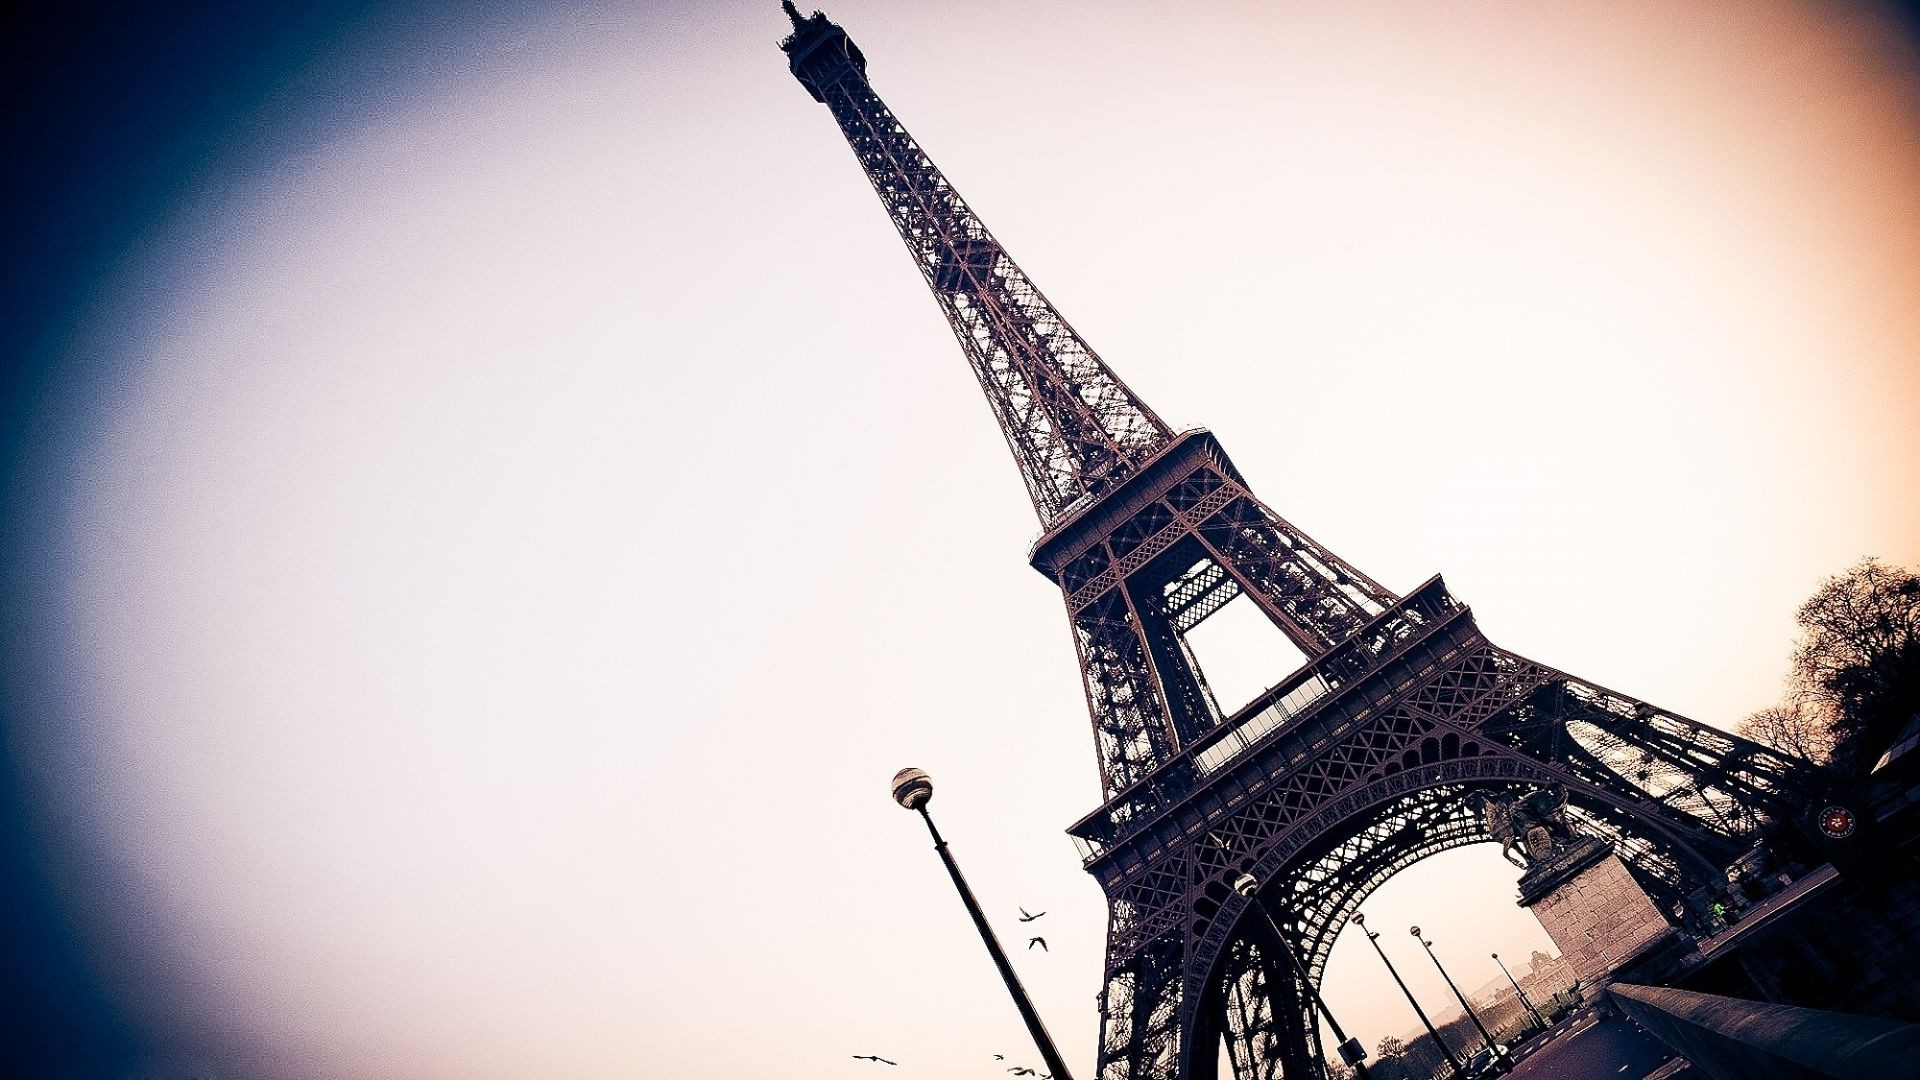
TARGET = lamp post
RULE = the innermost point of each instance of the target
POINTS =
(913, 789)
(1492, 1047)
(1373, 937)
(1351, 1051)
(1538, 1020)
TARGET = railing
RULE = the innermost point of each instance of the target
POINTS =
(1285, 711)
(1731, 1039)
(1240, 736)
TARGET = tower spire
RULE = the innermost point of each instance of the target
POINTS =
(1074, 428)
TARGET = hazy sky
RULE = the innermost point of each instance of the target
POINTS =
(494, 524)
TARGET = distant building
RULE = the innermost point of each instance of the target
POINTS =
(1491, 991)
(1547, 976)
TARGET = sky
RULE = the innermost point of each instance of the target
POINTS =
(489, 506)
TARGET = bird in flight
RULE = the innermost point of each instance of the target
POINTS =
(1024, 917)
(1040, 941)
(1021, 1070)
(999, 1057)
(874, 1057)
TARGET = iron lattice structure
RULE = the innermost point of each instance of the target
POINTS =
(1350, 768)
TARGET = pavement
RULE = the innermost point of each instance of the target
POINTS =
(1589, 1048)
(1766, 911)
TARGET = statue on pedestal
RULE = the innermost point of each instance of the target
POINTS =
(1530, 828)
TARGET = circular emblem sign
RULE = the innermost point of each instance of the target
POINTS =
(1837, 822)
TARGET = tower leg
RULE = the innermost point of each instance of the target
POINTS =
(1140, 1014)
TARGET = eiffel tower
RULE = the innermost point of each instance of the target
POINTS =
(1346, 771)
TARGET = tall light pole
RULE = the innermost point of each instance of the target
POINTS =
(1351, 1051)
(1373, 937)
(913, 789)
(1492, 1047)
(1539, 1021)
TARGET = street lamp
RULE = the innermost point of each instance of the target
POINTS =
(1373, 937)
(1538, 1020)
(1351, 1051)
(1492, 1047)
(913, 789)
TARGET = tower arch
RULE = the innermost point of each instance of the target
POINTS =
(1312, 889)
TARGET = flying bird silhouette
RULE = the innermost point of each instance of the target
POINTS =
(1040, 941)
(999, 1057)
(874, 1057)
(1019, 1070)
(1024, 917)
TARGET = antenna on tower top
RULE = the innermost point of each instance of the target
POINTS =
(792, 13)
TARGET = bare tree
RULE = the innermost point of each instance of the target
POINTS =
(1390, 1060)
(1855, 680)
(1793, 727)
